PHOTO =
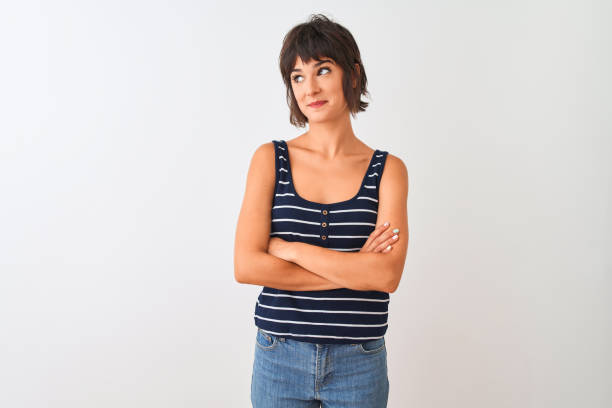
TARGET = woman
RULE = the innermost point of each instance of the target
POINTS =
(327, 257)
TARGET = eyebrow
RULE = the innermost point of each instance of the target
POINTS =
(316, 65)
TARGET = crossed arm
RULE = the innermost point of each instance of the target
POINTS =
(300, 266)
(353, 270)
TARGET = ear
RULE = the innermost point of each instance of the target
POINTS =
(358, 73)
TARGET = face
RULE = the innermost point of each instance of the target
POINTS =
(319, 81)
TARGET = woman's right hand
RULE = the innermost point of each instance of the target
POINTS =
(381, 240)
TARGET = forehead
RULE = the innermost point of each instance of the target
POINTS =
(301, 63)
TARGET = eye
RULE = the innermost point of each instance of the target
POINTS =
(325, 68)
(295, 77)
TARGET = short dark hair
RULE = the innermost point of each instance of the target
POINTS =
(316, 39)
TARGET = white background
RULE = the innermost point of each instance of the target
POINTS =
(126, 131)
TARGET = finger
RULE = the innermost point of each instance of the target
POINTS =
(384, 244)
(382, 240)
(378, 231)
(377, 249)
(389, 241)
(375, 234)
(383, 248)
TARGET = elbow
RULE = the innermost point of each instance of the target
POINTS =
(240, 271)
(394, 280)
(389, 287)
(238, 274)
(390, 277)
(392, 287)
(245, 265)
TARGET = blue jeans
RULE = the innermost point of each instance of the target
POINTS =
(290, 373)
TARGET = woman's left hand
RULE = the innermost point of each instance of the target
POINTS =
(280, 248)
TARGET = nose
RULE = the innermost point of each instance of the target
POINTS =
(312, 87)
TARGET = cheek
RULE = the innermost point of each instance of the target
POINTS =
(338, 96)
(297, 94)
(338, 91)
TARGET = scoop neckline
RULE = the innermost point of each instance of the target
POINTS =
(290, 173)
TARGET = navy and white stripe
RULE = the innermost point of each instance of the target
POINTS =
(324, 316)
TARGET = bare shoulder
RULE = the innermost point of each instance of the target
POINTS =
(253, 227)
(395, 172)
(262, 166)
(261, 174)
(264, 152)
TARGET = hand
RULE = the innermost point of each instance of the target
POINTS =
(280, 248)
(380, 240)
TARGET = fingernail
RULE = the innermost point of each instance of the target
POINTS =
(395, 231)
(389, 247)
(386, 224)
(394, 237)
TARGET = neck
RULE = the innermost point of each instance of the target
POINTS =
(332, 138)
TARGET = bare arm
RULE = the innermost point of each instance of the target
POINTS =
(252, 262)
(268, 270)
(353, 270)
(359, 270)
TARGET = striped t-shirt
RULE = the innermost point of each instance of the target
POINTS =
(324, 316)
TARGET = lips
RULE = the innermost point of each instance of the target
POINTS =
(317, 104)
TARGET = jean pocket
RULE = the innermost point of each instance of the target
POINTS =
(372, 346)
(265, 340)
